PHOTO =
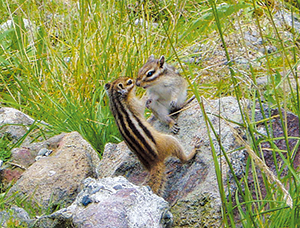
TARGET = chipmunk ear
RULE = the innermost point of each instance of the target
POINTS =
(161, 61)
(107, 86)
(151, 58)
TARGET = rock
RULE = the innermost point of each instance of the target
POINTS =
(197, 210)
(10, 23)
(292, 127)
(262, 81)
(9, 175)
(285, 19)
(267, 49)
(44, 152)
(29, 26)
(56, 180)
(14, 216)
(17, 127)
(23, 157)
(14, 124)
(112, 202)
(191, 188)
(252, 36)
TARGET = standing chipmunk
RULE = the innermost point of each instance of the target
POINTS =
(166, 90)
(151, 146)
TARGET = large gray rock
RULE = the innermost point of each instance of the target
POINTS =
(191, 188)
(56, 180)
(111, 203)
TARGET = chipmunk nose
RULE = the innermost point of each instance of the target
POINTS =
(138, 83)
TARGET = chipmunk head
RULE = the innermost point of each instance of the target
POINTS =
(152, 70)
(120, 88)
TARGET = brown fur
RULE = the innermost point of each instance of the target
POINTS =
(151, 146)
(166, 90)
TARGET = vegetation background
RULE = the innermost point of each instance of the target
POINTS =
(54, 64)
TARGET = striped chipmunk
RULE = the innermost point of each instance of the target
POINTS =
(166, 90)
(151, 146)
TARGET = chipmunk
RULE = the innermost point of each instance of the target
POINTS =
(151, 146)
(166, 90)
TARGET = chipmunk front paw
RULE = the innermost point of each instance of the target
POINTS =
(173, 105)
(151, 119)
(175, 128)
(198, 143)
(148, 102)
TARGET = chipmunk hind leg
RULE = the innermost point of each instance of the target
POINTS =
(178, 151)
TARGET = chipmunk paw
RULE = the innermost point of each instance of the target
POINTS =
(148, 102)
(175, 128)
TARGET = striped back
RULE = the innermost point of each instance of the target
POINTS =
(138, 137)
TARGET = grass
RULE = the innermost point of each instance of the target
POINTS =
(279, 208)
(5, 147)
(56, 71)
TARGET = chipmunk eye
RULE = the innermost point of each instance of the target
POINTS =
(129, 82)
(150, 73)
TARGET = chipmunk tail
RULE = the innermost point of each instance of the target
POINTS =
(157, 178)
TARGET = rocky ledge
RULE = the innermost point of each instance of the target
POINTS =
(65, 172)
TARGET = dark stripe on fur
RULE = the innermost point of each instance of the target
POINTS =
(120, 116)
(131, 142)
(148, 133)
(137, 133)
(152, 79)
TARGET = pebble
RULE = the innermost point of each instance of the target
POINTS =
(118, 187)
(142, 22)
(86, 200)
(44, 152)
(38, 158)
(67, 59)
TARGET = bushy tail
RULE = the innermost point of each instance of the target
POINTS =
(157, 178)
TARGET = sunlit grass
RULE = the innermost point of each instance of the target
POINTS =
(55, 69)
